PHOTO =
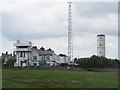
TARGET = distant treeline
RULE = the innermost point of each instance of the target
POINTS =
(9, 62)
(89, 62)
(97, 62)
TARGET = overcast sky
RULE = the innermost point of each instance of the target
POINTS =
(45, 24)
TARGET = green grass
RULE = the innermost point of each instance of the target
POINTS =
(0, 78)
(26, 78)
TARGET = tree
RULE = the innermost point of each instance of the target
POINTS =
(10, 61)
(97, 62)
(3, 60)
(75, 59)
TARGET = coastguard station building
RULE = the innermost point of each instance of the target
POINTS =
(28, 55)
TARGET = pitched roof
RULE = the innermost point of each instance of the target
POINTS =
(43, 52)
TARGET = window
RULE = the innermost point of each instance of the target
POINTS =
(21, 54)
(100, 45)
(21, 63)
(100, 37)
(47, 57)
(100, 52)
(24, 54)
(40, 57)
(43, 57)
(34, 64)
(48, 64)
(22, 46)
(35, 57)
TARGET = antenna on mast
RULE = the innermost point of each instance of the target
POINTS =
(19, 35)
(70, 36)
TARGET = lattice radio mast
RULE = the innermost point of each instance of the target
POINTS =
(70, 36)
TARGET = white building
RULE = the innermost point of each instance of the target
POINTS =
(101, 45)
(61, 58)
(23, 53)
(28, 55)
(42, 57)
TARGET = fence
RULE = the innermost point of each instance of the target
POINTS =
(66, 68)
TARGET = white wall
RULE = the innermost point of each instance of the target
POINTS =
(19, 59)
(62, 59)
(100, 45)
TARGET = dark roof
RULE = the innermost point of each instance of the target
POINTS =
(42, 48)
(101, 35)
(43, 52)
(62, 55)
(6, 55)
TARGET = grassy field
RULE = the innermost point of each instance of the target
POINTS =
(0, 78)
(58, 79)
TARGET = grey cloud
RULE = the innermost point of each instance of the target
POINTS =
(48, 28)
(31, 24)
(0, 20)
(83, 30)
(95, 9)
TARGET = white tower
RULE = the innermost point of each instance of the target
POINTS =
(101, 45)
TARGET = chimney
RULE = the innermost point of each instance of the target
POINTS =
(42, 48)
(6, 52)
(49, 49)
